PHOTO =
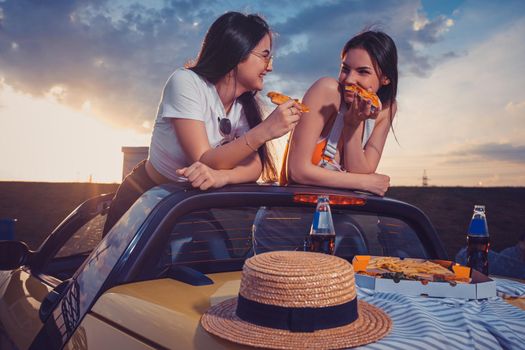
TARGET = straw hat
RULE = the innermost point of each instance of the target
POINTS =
(297, 300)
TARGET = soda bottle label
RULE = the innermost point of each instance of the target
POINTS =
(478, 227)
(322, 224)
(315, 222)
(322, 234)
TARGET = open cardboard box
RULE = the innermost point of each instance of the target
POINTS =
(480, 287)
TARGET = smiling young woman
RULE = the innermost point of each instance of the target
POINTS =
(339, 143)
(209, 129)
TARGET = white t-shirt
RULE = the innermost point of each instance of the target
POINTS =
(189, 96)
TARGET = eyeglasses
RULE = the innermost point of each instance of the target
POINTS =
(267, 59)
(225, 126)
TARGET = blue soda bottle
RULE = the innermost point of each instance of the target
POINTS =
(321, 238)
(478, 241)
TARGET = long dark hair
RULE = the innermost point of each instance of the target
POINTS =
(383, 52)
(228, 42)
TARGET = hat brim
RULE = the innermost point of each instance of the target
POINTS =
(372, 325)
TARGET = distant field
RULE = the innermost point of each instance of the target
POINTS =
(39, 207)
(450, 210)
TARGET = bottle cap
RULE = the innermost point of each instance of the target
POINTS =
(479, 208)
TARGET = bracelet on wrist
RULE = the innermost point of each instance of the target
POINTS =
(248, 144)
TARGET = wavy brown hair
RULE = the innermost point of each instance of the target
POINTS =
(228, 42)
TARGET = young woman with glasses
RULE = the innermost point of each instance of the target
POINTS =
(209, 129)
(368, 60)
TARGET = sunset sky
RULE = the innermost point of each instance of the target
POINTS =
(79, 79)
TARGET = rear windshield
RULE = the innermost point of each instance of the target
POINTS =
(220, 239)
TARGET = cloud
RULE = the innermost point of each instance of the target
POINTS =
(515, 107)
(426, 31)
(116, 58)
(323, 29)
(119, 62)
(472, 99)
(506, 152)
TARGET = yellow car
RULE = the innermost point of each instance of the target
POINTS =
(172, 255)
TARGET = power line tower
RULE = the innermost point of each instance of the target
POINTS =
(425, 178)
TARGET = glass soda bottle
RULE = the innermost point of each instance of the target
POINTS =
(478, 241)
(321, 238)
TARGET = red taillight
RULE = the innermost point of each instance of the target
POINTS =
(335, 199)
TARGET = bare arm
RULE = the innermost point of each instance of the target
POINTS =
(365, 161)
(248, 170)
(202, 176)
(195, 144)
(323, 99)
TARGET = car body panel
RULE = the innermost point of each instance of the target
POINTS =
(88, 281)
(102, 295)
(172, 309)
(94, 333)
(20, 298)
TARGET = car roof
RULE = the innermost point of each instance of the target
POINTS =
(178, 201)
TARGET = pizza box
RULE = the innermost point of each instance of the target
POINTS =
(480, 287)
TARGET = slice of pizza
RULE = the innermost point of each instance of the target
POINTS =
(279, 99)
(367, 95)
